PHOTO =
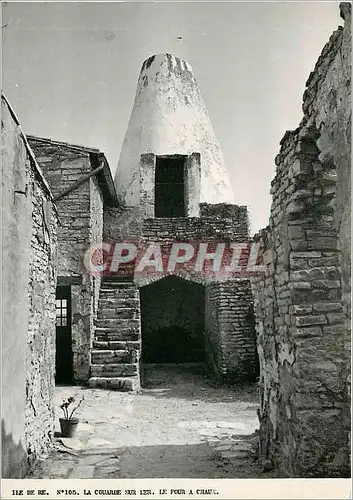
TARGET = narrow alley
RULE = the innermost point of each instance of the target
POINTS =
(178, 426)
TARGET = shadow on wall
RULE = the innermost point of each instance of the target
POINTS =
(13, 456)
(172, 321)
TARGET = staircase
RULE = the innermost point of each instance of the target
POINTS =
(117, 337)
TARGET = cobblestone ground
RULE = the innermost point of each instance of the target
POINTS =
(178, 426)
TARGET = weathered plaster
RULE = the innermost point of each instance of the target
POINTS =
(170, 117)
(29, 221)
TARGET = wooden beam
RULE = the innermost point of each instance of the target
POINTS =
(78, 183)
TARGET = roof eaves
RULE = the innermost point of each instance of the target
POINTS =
(29, 151)
(109, 194)
(75, 147)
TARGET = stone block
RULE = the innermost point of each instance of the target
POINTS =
(294, 207)
(82, 472)
(334, 318)
(328, 307)
(305, 332)
(298, 245)
(305, 255)
(301, 309)
(322, 243)
(301, 167)
(300, 285)
(310, 320)
(326, 284)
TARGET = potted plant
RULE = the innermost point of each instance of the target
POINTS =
(69, 424)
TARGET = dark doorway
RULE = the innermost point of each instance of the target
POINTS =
(170, 186)
(172, 321)
(63, 359)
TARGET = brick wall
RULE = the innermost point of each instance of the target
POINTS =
(300, 311)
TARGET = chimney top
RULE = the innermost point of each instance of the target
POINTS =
(165, 58)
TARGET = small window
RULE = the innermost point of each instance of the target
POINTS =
(61, 312)
(170, 187)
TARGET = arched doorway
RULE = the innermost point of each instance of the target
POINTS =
(172, 321)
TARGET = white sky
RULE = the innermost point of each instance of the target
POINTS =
(70, 72)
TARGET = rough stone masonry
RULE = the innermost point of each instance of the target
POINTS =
(302, 305)
(29, 220)
(170, 130)
(81, 225)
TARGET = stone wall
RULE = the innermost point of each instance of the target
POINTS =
(230, 334)
(40, 370)
(29, 221)
(217, 223)
(301, 312)
(96, 235)
(62, 167)
(220, 222)
(81, 217)
(229, 319)
(327, 101)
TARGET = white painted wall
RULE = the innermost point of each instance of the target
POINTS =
(169, 117)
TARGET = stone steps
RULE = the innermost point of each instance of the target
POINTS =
(116, 323)
(117, 313)
(114, 370)
(116, 344)
(112, 356)
(109, 303)
(115, 383)
(117, 334)
(117, 292)
(114, 282)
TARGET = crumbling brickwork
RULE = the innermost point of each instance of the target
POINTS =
(301, 312)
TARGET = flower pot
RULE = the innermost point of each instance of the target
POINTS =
(68, 427)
